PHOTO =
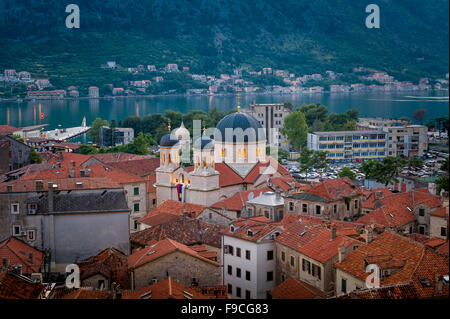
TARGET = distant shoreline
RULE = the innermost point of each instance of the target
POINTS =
(20, 100)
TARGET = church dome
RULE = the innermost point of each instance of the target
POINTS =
(235, 121)
(182, 133)
(204, 143)
(168, 140)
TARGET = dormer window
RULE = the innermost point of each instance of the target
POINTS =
(249, 233)
(232, 229)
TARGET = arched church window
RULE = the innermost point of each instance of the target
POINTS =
(163, 157)
(181, 178)
(170, 159)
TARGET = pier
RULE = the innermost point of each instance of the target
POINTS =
(66, 133)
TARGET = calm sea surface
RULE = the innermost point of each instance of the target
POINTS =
(69, 113)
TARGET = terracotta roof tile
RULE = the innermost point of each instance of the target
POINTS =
(7, 129)
(292, 288)
(165, 289)
(84, 293)
(160, 214)
(238, 200)
(85, 183)
(392, 251)
(98, 171)
(398, 291)
(140, 167)
(162, 248)
(258, 227)
(111, 263)
(333, 189)
(313, 240)
(18, 287)
(184, 230)
(18, 252)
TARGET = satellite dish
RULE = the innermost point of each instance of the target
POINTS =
(251, 196)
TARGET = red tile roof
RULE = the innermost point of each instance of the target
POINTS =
(63, 184)
(141, 167)
(98, 171)
(111, 263)
(392, 251)
(162, 248)
(84, 293)
(313, 240)
(334, 189)
(428, 241)
(165, 289)
(441, 212)
(292, 288)
(259, 227)
(174, 208)
(387, 217)
(7, 129)
(286, 183)
(371, 196)
(184, 230)
(263, 168)
(118, 157)
(444, 249)
(397, 209)
(65, 159)
(238, 200)
(18, 287)
(18, 252)
(397, 291)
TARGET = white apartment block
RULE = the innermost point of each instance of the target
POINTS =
(249, 258)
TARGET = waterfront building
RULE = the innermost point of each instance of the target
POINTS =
(347, 146)
(93, 92)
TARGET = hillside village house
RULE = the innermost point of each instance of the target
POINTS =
(17, 256)
(168, 258)
(249, 263)
(337, 199)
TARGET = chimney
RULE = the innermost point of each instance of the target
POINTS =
(333, 231)
(341, 253)
(30, 257)
(60, 157)
(71, 173)
(369, 235)
(439, 284)
(378, 194)
(50, 197)
(72, 163)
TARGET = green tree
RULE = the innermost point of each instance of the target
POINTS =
(94, 132)
(347, 172)
(133, 122)
(314, 112)
(87, 149)
(445, 165)
(369, 168)
(389, 170)
(35, 157)
(415, 163)
(442, 183)
(295, 129)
